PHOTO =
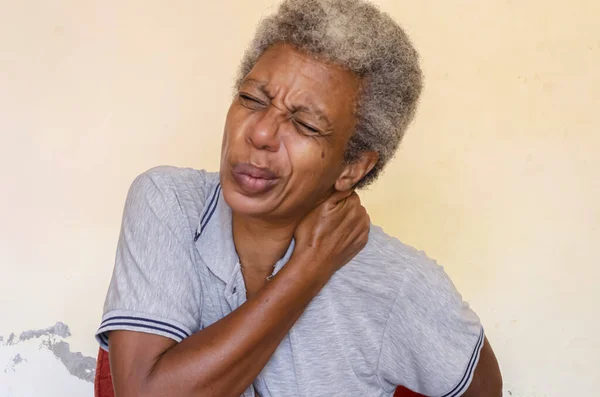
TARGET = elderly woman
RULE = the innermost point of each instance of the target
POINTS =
(267, 277)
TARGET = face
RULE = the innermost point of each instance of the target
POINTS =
(286, 133)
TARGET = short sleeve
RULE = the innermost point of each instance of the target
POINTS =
(432, 339)
(155, 287)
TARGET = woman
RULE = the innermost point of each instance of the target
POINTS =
(268, 277)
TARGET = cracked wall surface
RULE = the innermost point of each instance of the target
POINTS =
(40, 363)
(497, 178)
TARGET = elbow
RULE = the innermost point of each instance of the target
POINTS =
(132, 388)
(165, 387)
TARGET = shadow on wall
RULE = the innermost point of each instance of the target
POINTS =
(40, 362)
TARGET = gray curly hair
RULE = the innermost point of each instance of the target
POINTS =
(357, 36)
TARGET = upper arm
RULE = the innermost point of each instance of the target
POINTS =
(132, 356)
(487, 379)
(155, 287)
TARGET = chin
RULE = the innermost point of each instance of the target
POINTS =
(242, 204)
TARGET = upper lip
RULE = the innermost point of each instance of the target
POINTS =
(254, 171)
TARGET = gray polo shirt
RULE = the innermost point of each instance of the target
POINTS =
(390, 317)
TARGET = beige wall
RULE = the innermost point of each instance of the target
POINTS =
(497, 178)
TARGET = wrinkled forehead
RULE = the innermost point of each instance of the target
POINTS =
(325, 87)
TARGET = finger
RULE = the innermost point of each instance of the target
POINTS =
(350, 205)
(338, 196)
(354, 199)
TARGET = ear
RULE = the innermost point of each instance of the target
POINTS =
(355, 171)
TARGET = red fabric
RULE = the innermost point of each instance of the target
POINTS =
(403, 392)
(103, 383)
(103, 386)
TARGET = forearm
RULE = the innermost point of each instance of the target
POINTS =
(225, 358)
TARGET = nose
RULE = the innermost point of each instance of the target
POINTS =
(264, 134)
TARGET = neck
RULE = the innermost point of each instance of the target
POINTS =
(259, 243)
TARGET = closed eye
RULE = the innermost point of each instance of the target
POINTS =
(308, 127)
(253, 101)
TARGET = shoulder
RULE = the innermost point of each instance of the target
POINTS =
(172, 194)
(399, 266)
(174, 180)
(389, 278)
(404, 280)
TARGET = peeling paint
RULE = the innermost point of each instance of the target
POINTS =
(17, 359)
(59, 329)
(13, 362)
(76, 363)
(17, 351)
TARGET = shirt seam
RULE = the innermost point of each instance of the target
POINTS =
(180, 213)
(291, 336)
(385, 331)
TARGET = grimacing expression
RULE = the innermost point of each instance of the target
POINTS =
(286, 133)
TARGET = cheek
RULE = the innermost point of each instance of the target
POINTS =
(308, 159)
(234, 124)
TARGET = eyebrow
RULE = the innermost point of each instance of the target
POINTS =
(307, 108)
(312, 110)
(259, 83)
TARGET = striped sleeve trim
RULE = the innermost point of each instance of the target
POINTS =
(465, 381)
(139, 323)
(102, 340)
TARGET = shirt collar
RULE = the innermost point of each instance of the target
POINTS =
(214, 238)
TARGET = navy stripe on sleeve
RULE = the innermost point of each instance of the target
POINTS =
(106, 321)
(142, 324)
(142, 327)
(460, 388)
(103, 339)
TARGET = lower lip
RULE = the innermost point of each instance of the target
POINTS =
(251, 185)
